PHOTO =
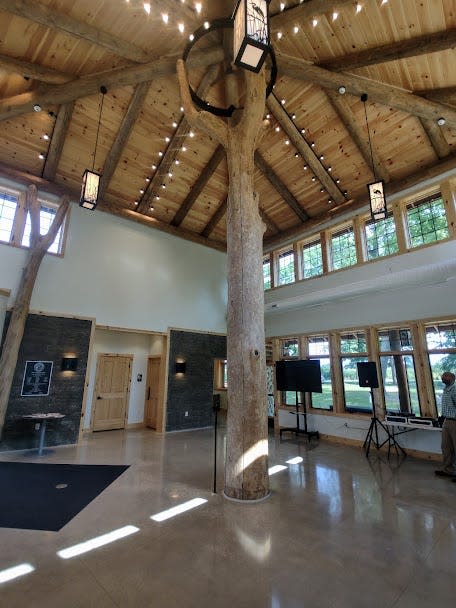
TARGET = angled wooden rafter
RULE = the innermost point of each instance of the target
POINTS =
(131, 116)
(384, 94)
(59, 133)
(280, 187)
(215, 219)
(359, 136)
(33, 70)
(307, 10)
(304, 149)
(436, 137)
(199, 185)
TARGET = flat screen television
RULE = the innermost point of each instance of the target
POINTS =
(301, 375)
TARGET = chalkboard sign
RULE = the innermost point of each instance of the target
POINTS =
(37, 378)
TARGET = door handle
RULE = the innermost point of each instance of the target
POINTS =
(98, 397)
(148, 394)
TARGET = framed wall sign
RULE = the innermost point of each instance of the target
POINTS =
(37, 378)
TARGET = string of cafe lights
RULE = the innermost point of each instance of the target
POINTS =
(292, 116)
(165, 16)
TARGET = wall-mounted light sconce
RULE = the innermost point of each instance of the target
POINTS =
(180, 367)
(69, 364)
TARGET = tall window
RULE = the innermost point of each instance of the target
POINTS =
(286, 267)
(289, 348)
(343, 249)
(381, 238)
(353, 348)
(47, 215)
(441, 344)
(398, 371)
(319, 349)
(426, 221)
(312, 260)
(267, 272)
(8, 206)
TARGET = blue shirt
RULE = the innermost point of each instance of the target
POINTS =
(449, 401)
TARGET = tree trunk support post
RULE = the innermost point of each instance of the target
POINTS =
(246, 468)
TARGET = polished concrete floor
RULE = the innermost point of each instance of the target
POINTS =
(338, 531)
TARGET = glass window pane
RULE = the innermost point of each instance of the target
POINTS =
(289, 398)
(8, 206)
(318, 345)
(381, 238)
(395, 340)
(267, 273)
(312, 260)
(286, 267)
(427, 221)
(324, 400)
(46, 218)
(399, 383)
(440, 362)
(357, 398)
(353, 343)
(290, 348)
(343, 250)
(441, 336)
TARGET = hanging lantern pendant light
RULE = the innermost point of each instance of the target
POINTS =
(251, 34)
(376, 189)
(91, 179)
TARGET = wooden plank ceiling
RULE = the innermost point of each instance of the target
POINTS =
(314, 157)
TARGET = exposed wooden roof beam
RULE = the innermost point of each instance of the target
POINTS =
(174, 145)
(39, 13)
(113, 79)
(431, 172)
(280, 187)
(357, 134)
(385, 94)
(422, 45)
(33, 70)
(59, 190)
(268, 221)
(215, 219)
(442, 95)
(128, 122)
(436, 137)
(307, 10)
(304, 149)
(59, 133)
(199, 185)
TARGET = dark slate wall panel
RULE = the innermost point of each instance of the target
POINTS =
(192, 391)
(48, 339)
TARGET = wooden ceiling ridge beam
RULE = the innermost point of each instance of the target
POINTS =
(424, 174)
(51, 187)
(182, 131)
(215, 219)
(39, 13)
(304, 149)
(280, 187)
(59, 133)
(311, 8)
(385, 94)
(33, 70)
(113, 79)
(131, 116)
(412, 47)
(199, 185)
(359, 136)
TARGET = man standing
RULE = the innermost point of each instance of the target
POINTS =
(449, 427)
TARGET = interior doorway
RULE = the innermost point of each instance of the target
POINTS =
(153, 415)
(112, 392)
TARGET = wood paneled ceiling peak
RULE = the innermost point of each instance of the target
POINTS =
(313, 161)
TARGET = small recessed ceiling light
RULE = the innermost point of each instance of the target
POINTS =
(37, 107)
(287, 142)
(160, 154)
(335, 15)
(303, 131)
(46, 137)
(147, 7)
(279, 35)
(181, 28)
(342, 90)
(282, 6)
(441, 121)
(314, 22)
(151, 208)
(141, 191)
(41, 156)
(282, 102)
(182, 108)
(277, 129)
(314, 179)
(147, 179)
(296, 154)
(184, 148)
(154, 167)
(174, 124)
(321, 157)
(170, 174)
(136, 202)
(330, 169)
(293, 116)
(312, 145)
(157, 198)
(176, 162)
(305, 167)
(207, 25)
(167, 139)
(337, 181)
(165, 17)
(191, 134)
(198, 7)
(295, 29)
(359, 7)
(163, 186)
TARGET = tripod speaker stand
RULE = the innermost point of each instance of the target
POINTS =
(367, 376)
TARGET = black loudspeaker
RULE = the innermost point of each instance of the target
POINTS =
(367, 374)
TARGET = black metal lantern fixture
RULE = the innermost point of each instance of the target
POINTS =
(91, 179)
(251, 34)
(376, 189)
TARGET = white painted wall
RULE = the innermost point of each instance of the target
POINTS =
(126, 275)
(127, 343)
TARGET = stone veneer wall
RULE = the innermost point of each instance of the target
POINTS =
(48, 338)
(192, 392)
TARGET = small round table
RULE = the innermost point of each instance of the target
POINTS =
(42, 419)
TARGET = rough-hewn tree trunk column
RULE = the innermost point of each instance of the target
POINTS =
(38, 247)
(246, 469)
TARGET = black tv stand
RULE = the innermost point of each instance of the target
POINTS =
(297, 429)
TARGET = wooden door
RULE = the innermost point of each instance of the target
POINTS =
(153, 392)
(112, 392)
